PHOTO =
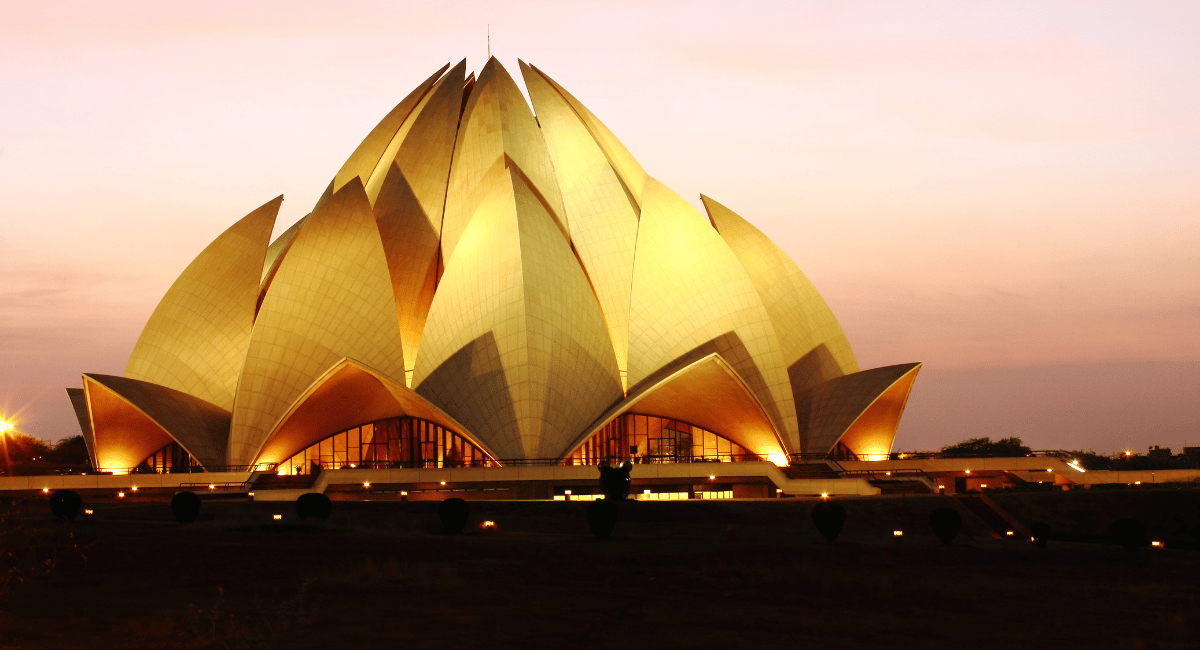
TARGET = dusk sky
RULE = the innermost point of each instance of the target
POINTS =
(1006, 191)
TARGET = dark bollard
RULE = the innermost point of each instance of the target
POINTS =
(614, 481)
(602, 518)
(453, 512)
(1041, 534)
(946, 523)
(829, 518)
(65, 504)
(313, 504)
(185, 506)
(1130, 534)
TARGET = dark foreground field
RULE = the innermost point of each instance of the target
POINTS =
(675, 575)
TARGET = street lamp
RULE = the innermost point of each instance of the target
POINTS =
(6, 426)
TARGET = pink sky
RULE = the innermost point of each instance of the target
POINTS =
(1008, 192)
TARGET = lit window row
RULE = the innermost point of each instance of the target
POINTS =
(402, 442)
(653, 439)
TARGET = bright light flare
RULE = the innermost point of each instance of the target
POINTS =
(778, 458)
(88, 511)
(120, 495)
(277, 517)
(897, 533)
(1156, 544)
(366, 484)
(1009, 533)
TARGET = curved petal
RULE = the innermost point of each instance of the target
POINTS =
(498, 132)
(195, 341)
(516, 347)
(132, 419)
(627, 167)
(690, 296)
(347, 395)
(861, 410)
(814, 347)
(603, 218)
(331, 298)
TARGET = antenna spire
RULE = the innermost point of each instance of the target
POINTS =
(489, 41)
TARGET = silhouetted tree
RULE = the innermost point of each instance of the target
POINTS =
(987, 448)
(65, 504)
(313, 504)
(453, 513)
(946, 523)
(185, 506)
(829, 517)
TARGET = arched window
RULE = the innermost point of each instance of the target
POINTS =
(394, 442)
(171, 459)
(653, 439)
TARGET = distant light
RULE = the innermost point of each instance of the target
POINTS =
(983, 485)
(1049, 470)
(443, 482)
(488, 524)
(352, 465)
(250, 494)
(778, 458)
(45, 489)
(1075, 464)
(897, 533)
(403, 493)
(968, 471)
(887, 473)
(282, 471)
(211, 486)
(121, 495)
(134, 488)
(1137, 482)
(1156, 544)
(646, 492)
(1009, 533)
(824, 495)
(568, 492)
(88, 511)
(277, 517)
(366, 484)
(712, 477)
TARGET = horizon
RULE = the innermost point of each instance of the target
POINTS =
(1004, 193)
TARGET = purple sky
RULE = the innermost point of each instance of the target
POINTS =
(1008, 192)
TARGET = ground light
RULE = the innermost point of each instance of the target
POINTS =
(1156, 544)
(1009, 533)
(121, 495)
(897, 533)
(45, 490)
(277, 517)
(88, 511)
(366, 484)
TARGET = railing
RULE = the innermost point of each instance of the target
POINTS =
(141, 470)
(225, 486)
(535, 462)
(918, 455)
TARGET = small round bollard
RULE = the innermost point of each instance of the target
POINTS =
(185, 506)
(314, 505)
(65, 504)
(602, 518)
(453, 513)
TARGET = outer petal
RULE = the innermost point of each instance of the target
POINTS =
(345, 396)
(516, 348)
(603, 218)
(709, 394)
(628, 170)
(132, 419)
(497, 132)
(691, 297)
(79, 404)
(861, 410)
(814, 346)
(195, 341)
(331, 298)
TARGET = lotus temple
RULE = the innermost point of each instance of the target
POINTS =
(500, 292)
